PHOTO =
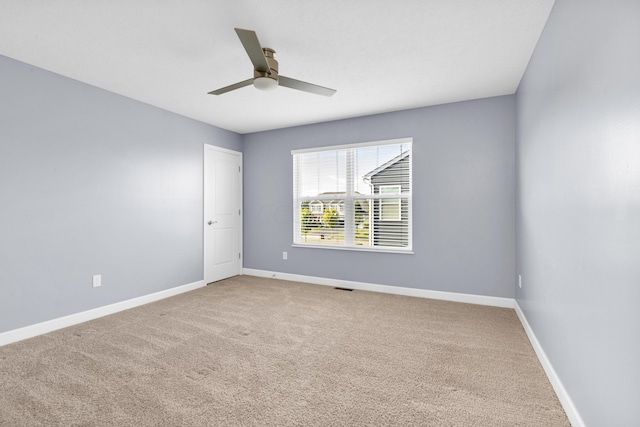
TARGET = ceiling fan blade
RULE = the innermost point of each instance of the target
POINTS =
(231, 87)
(252, 45)
(304, 86)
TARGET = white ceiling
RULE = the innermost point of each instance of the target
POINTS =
(380, 55)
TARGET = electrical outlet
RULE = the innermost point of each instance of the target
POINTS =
(97, 280)
(284, 256)
(520, 281)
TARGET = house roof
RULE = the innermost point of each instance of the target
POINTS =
(368, 176)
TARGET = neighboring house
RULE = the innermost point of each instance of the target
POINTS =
(317, 207)
(389, 218)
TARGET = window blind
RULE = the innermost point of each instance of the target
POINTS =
(354, 196)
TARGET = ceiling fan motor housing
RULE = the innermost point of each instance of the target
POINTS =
(273, 65)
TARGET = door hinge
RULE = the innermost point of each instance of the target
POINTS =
(239, 257)
(239, 212)
(238, 168)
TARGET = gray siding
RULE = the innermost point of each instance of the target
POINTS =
(382, 230)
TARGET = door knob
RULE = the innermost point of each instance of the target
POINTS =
(212, 222)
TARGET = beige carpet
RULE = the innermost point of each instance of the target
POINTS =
(258, 352)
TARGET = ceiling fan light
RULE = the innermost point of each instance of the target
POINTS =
(265, 83)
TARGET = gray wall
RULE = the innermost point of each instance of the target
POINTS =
(93, 183)
(578, 214)
(463, 200)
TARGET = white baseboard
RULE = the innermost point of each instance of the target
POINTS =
(396, 290)
(73, 319)
(567, 403)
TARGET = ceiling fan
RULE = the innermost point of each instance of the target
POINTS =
(265, 70)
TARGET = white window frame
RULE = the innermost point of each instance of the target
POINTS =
(349, 201)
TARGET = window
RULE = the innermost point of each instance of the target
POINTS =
(354, 196)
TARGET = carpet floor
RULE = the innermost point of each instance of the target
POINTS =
(248, 351)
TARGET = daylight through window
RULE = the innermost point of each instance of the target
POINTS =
(354, 196)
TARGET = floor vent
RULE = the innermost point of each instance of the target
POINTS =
(344, 289)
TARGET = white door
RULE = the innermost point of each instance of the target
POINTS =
(222, 213)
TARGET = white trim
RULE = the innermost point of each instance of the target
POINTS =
(396, 290)
(378, 249)
(63, 322)
(224, 150)
(565, 400)
(84, 316)
(356, 145)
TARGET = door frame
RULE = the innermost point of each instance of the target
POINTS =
(209, 147)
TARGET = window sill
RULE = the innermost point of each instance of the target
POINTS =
(355, 248)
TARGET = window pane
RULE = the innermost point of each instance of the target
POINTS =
(389, 225)
(322, 227)
(322, 172)
(370, 163)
